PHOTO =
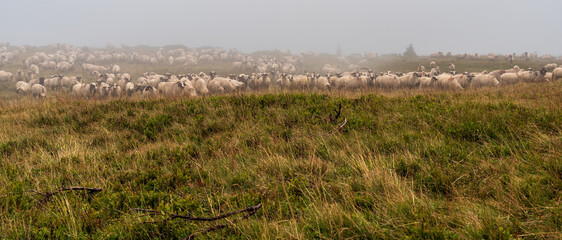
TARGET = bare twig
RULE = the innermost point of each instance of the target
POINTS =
(249, 210)
(340, 126)
(203, 219)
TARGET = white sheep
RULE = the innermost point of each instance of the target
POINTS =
(556, 74)
(427, 82)
(38, 90)
(53, 83)
(410, 80)
(448, 82)
(22, 87)
(550, 67)
(482, 80)
(387, 81)
(6, 76)
(84, 90)
(509, 78)
(129, 88)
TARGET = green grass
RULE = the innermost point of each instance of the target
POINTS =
(482, 164)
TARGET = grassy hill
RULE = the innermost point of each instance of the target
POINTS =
(480, 164)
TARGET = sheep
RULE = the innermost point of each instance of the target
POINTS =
(33, 68)
(103, 89)
(115, 69)
(115, 90)
(322, 83)
(509, 78)
(54, 82)
(200, 85)
(463, 79)
(215, 86)
(451, 67)
(38, 91)
(548, 77)
(19, 76)
(84, 90)
(497, 73)
(22, 87)
(388, 81)
(427, 82)
(410, 80)
(432, 64)
(28, 76)
(448, 82)
(129, 88)
(171, 89)
(481, 80)
(284, 81)
(550, 67)
(434, 71)
(67, 82)
(148, 91)
(556, 74)
(421, 68)
(6, 76)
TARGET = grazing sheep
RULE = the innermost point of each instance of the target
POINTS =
(550, 67)
(463, 79)
(171, 89)
(387, 81)
(19, 76)
(201, 86)
(215, 86)
(38, 90)
(509, 78)
(22, 87)
(556, 74)
(497, 73)
(448, 82)
(432, 64)
(482, 80)
(54, 82)
(149, 91)
(548, 77)
(84, 90)
(451, 67)
(6, 76)
(129, 88)
(410, 80)
(427, 82)
(33, 68)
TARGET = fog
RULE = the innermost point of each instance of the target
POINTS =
(476, 26)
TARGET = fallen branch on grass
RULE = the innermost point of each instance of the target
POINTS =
(340, 126)
(249, 210)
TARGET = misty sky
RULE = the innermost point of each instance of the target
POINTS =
(482, 26)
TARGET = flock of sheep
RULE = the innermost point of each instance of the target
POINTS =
(170, 85)
(263, 73)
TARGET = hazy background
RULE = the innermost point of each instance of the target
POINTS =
(482, 26)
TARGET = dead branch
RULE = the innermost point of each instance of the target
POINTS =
(249, 210)
(340, 126)
(220, 226)
(173, 215)
(338, 113)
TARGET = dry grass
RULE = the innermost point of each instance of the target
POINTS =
(408, 164)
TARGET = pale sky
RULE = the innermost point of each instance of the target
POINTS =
(383, 26)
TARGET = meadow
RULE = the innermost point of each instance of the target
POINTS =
(408, 164)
